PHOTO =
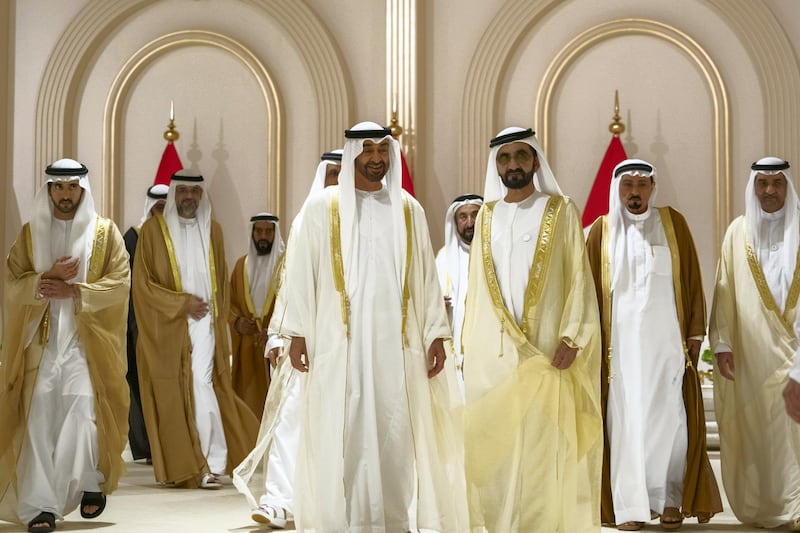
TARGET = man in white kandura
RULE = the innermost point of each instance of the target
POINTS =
(753, 338)
(276, 449)
(452, 263)
(653, 314)
(379, 442)
(531, 340)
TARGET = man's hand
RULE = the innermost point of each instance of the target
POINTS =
(56, 289)
(274, 354)
(245, 326)
(564, 356)
(448, 303)
(693, 346)
(64, 268)
(197, 307)
(436, 357)
(791, 396)
(298, 354)
(725, 364)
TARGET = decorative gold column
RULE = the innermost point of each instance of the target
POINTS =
(401, 72)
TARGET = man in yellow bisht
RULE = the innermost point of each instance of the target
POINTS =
(63, 396)
(531, 341)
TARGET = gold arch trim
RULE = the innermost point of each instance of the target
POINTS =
(125, 82)
(74, 54)
(714, 81)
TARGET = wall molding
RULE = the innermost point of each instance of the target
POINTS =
(701, 59)
(125, 83)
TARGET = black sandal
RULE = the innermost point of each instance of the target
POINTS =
(93, 498)
(43, 517)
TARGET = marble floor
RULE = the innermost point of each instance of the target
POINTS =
(141, 506)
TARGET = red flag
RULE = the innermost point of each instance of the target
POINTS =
(169, 165)
(408, 185)
(597, 203)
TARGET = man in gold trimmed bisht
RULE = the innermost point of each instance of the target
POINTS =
(198, 428)
(531, 344)
(253, 286)
(379, 437)
(63, 396)
(752, 334)
(653, 315)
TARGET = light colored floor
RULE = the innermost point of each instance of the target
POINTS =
(141, 506)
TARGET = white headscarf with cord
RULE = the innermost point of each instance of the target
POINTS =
(617, 243)
(452, 240)
(544, 180)
(754, 215)
(392, 182)
(154, 194)
(334, 157)
(83, 223)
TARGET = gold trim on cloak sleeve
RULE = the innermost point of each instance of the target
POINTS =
(605, 279)
(99, 246)
(537, 272)
(674, 252)
(337, 263)
(212, 267)
(272, 290)
(173, 262)
(406, 290)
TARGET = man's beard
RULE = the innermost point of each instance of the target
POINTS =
(517, 179)
(65, 206)
(467, 234)
(187, 209)
(634, 203)
(263, 246)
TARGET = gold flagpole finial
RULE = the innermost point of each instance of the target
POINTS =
(397, 129)
(616, 127)
(171, 134)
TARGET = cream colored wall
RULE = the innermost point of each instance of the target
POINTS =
(262, 87)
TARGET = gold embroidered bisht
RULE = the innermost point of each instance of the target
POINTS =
(700, 492)
(318, 307)
(163, 353)
(759, 443)
(250, 377)
(533, 434)
(101, 318)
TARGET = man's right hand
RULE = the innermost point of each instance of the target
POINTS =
(273, 355)
(197, 307)
(725, 364)
(298, 354)
(246, 326)
(64, 268)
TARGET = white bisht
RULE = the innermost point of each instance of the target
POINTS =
(760, 444)
(328, 309)
(251, 475)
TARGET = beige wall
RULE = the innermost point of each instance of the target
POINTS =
(262, 87)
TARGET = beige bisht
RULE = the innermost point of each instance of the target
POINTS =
(533, 433)
(101, 318)
(759, 443)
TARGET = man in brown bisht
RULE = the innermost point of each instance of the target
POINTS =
(63, 396)
(253, 286)
(198, 428)
(653, 317)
